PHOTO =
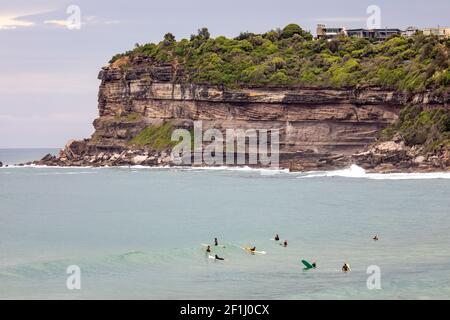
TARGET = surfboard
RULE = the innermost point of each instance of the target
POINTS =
(307, 265)
(250, 251)
(212, 257)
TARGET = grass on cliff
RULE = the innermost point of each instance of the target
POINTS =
(155, 137)
(420, 126)
(290, 56)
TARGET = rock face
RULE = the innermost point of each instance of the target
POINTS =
(394, 156)
(319, 128)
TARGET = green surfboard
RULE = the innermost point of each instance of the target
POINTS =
(307, 265)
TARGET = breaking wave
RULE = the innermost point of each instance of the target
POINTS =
(357, 172)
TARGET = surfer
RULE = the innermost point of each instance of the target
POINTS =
(277, 237)
(253, 249)
(208, 249)
(216, 243)
(218, 258)
(314, 264)
(375, 238)
(285, 243)
(346, 267)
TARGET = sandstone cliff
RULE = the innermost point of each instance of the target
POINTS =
(320, 128)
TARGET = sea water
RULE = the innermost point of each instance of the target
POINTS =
(136, 233)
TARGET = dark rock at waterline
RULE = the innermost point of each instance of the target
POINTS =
(48, 157)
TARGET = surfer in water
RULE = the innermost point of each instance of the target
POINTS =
(253, 249)
(375, 238)
(285, 243)
(346, 267)
(314, 264)
(277, 237)
(218, 258)
(216, 243)
(208, 249)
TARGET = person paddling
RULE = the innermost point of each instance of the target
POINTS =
(253, 249)
(218, 258)
(375, 238)
(277, 237)
(285, 243)
(346, 267)
(208, 249)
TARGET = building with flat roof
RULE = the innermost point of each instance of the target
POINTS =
(373, 34)
(441, 32)
(329, 33)
(324, 32)
(410, 31)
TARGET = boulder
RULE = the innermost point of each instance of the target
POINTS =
(137, 160)
(48, 158)
(419, 159)
(390, 146)
(75, 149)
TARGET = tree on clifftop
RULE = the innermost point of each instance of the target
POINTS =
(292, 29)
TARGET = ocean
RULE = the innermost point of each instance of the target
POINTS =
(136, 233)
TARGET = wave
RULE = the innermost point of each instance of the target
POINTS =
(35, 166)
(353, 171)
(357, 172)
(112, 263)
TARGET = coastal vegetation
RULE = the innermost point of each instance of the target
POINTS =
(155, 137)
(291, 57)
(429, 128)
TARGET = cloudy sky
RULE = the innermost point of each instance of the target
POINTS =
(48, 73)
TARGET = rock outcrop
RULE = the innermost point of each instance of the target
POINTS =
(395, 156)
(320, 128)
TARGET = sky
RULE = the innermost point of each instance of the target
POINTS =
(48, 72)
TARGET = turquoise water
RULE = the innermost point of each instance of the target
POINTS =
(136, 233)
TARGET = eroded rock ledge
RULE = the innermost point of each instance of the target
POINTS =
(320, 128)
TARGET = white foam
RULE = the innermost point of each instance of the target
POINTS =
(353, 171)
(65, 173)
(357, 172)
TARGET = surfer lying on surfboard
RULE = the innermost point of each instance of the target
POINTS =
(252, 250)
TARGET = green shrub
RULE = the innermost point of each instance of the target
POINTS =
(155, 137)
(419, 126)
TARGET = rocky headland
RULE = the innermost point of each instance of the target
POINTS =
(381, 105)
(320, 128)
